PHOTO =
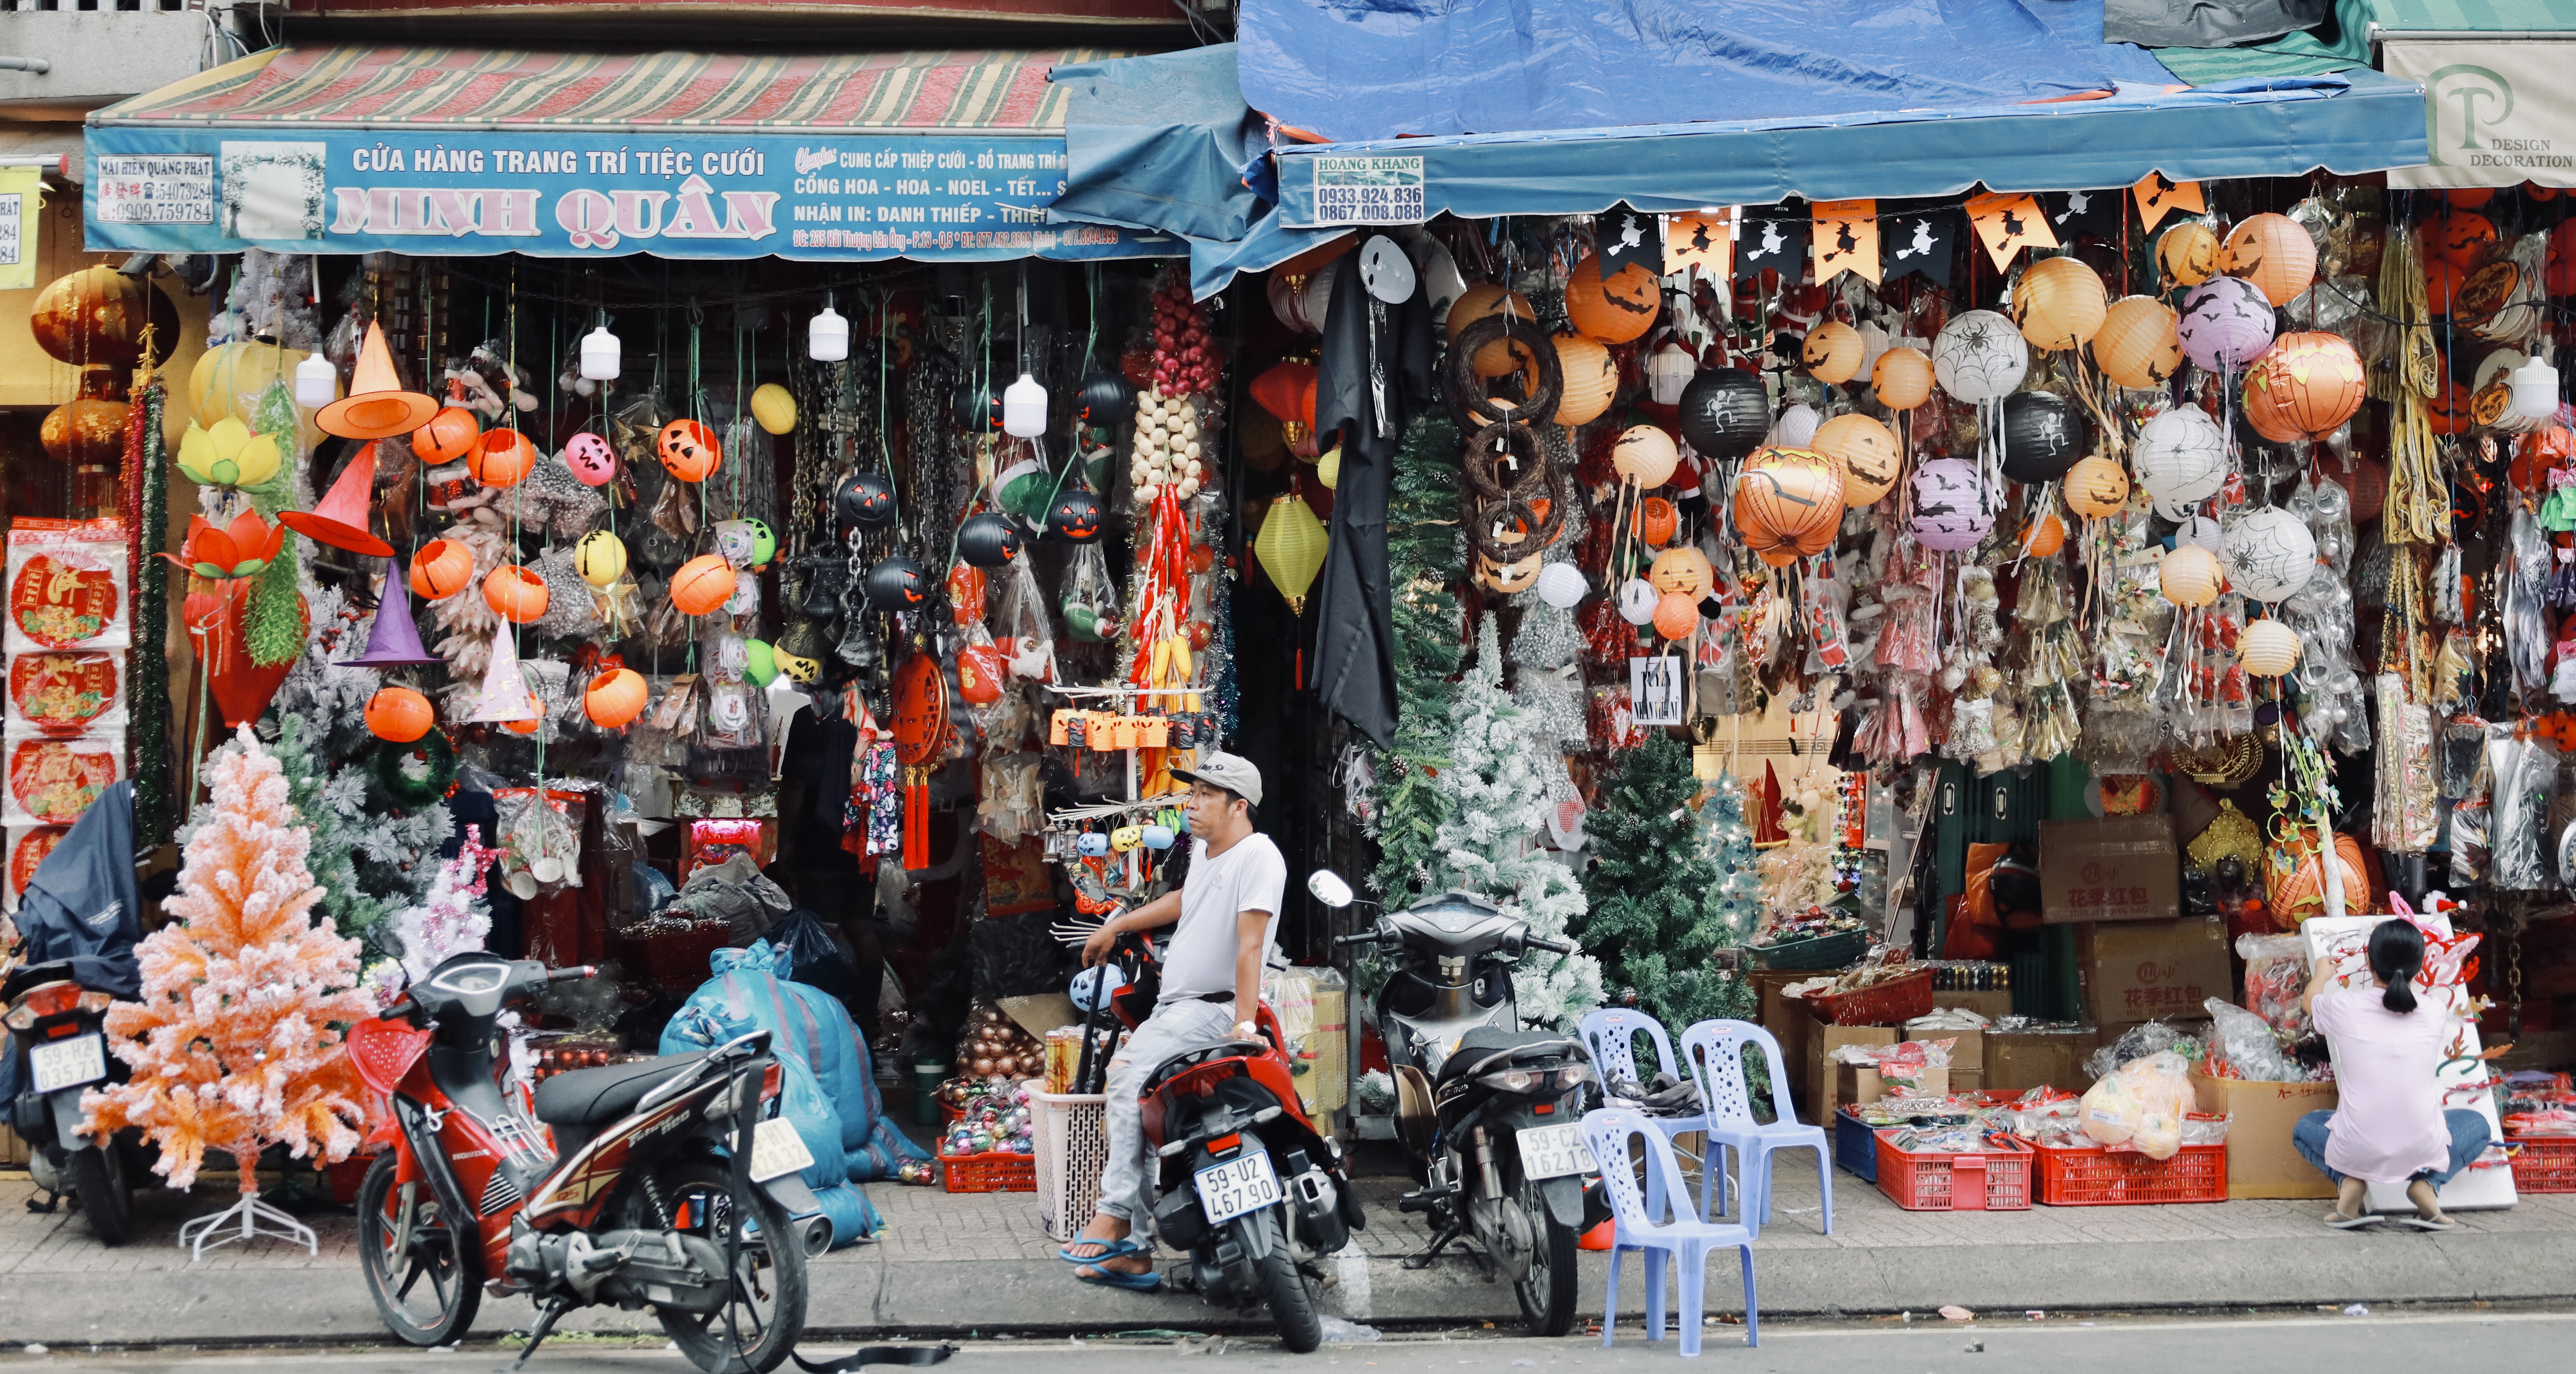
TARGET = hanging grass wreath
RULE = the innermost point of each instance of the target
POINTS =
(416, 774)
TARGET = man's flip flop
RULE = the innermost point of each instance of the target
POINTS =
(1110, 1250)
(2341, 1222)
(1112, 1278)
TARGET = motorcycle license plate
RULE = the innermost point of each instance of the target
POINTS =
(68, 1063)
(776, 1150)
(1554, 1151)
(1237, 1186)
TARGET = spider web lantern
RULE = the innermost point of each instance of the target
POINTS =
(2269, 554)
(2181, 457)
(1980, 357)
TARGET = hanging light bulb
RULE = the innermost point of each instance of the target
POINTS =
(1024, 408)
(827, 339)
(600, 354)
(317, 383)
(2535, 389)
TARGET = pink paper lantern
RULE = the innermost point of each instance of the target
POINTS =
(1952, 509)
(2226, 323)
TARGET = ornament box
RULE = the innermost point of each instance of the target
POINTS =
(2260, 1160)
(2152, 970)
(2126, 869)
(1823, 1076)
(2017, 1061)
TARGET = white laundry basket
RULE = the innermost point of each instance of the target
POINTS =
(1070, 1133)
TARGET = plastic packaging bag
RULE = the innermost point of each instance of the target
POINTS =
(2276, 979)
(2247, 1042)
(2142, 1105)
(2136, 1043)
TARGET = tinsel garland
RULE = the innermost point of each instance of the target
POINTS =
(147, 510)
(273, 625)
(1225, 691)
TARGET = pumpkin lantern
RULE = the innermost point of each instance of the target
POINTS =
(501, 458)
(1616, 310)
(2136, 345)
(1657, 521)
(515, 594)
(2273, 252)
(449, 435)
(2187, 254)
(2059, 304)
(1832, 352)
(1866, 454)
(1788, 503)
(1591, 379)
(1901, 379)
(1684, 571)
(441, 569)
(615, 697)
(2097, 487)
(2305, 386)
(600, 558)
(688, 450)
(592, 461)
(865, 500)
(1076, 515)
(399, 714)
(702, 584)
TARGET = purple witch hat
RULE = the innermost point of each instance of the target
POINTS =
(394, 642)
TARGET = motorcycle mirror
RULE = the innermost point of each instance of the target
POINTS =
(1328, 888)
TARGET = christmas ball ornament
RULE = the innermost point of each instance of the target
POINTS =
(2181, 456)
(2200, 530)
(449, 435)
(2226, 323)
(688, 450)
(773, 408)
(702, 585)
(2273, 252)
(502, 458)
(1864, 452)
(1952, 508)
(759, 662)
(1075, 516)
(1562, 585)
(2187, 254)
(441, 569)
(615, 697)
(1724, 412)
(2059, 303)
(2190, 576)
(1979, 357)
(988, 540)
(399, 714)
(2309, 384)
(1902, 378)
(1832, 353)
(1656, 521)
(1106, 401)
(1796, 427)
(2044, 536)
(2268, 648)
(600, 558)
(1788, 502)
(2096, 487)
(515, 594)
(1616, 310)
(2269, 554)
(897, 584)
(865, 500)
(2136, 345)
(1685, 570)
(1646, 456)
(592, 461)
(1637, 601)
(1677, 615)
(2042, 434)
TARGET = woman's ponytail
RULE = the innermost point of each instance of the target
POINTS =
(2396, 956)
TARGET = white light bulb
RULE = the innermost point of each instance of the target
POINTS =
(1024, 408)
(600, 355)
(2535, 389)
(317, 384)
(827, 339)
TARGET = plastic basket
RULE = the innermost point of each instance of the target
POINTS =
(1891, 1003)
(996, 1171)
(1071, 1134)
(1856, 1146)
(2543, 1164)
(2076, 1176)
(1929, 1182)
(1815, 952)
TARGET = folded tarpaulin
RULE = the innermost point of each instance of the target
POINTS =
(2210, 23)
(1160, 143)
(2343, 41)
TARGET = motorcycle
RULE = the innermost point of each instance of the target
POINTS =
(1489, 1115)
(56, 1032)
(667, 1186)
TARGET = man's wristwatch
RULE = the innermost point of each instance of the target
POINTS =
(1247, 1030)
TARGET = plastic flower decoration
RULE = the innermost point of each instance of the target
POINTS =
(239, 550)
(229, 455)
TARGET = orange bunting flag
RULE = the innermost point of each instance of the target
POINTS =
(2158, 197)
(2008, 222)
(1706, 242)
(1847, 238)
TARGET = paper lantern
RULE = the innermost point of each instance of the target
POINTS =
(2226, 323)
(600, 558)
(592, 461)
(1789, 500)
(1328, 468)
(1832, 352)
(1796, 427)
(399, 714)
(1864, 452)
(2273, 252)
(227, 454)
(2136, 345)
(688, 450)
(2558, 266)
(1511, 578)
(2042, 436)
(2368, 485)
(1724, 412)
(2187, 254)
(502, 458)
(1503, 355)
(2059, 303)
(2044, 536)
(449, 435)
(2268, 648)
(2190, 576)
(1616, 310)
(2462, 240)
(1287, 392)
(1979, 357)
(773, 408)
(895, 584)
(1952, 508)
(229, 379)
(1562, 585)
(2096, 487)
(441, 569)
(2269, 554)
(1668, 372)
(1646, 456)
(2198, 529)
(615, 697)
(2181, 456)
(1591, 379)
(515, 594)
(1902, 378)
(1676, 615)
(703, 584)
(2311, 381)
(1685, 570)
(1637, 601)
(1291, 547)
(1656, 521)
(2442, 283)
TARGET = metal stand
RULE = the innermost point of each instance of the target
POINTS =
(245, 1220)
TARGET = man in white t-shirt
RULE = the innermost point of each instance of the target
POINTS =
(1228, 910)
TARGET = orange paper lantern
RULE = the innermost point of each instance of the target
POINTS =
(1684, 570)
(1656, 521)
(2296, 891)
(2187, 254)
(2136, 345)
(1487, 298)
(515, 594)
(702, 584)
(1646, 456)
(615, 697)
(441, 569)
(1863, 451)
(1614, 311)
(1676, 615)
(2045, 536)
(1902, 378)
(1832, 352)
(449, 435)
(2059, 303)
(2274, 253)
(399, 714)
(1788, 500)
(2462, 240)
(688, 450)
(2442, 283)
(2097, 487)
(1591, 379)
(501, 458)
(2310, 382)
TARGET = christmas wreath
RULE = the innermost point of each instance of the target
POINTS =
(410, 788)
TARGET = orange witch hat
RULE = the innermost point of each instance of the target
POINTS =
(376, 407)
(341, 519)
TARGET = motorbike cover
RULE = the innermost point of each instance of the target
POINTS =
(83, 905)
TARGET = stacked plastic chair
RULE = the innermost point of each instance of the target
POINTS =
(1665, 1235)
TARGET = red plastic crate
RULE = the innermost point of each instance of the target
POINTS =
(1927, 1182)
(995, 1171)
(1892, 1003)
(2100, 1177)
(2543, 1164)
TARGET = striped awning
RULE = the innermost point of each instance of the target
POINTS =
(360, 87)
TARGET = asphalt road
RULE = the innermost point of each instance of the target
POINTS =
(2422, 1342)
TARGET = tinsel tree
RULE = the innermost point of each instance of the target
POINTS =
(236, 1044)
(1425, 554)
(452, 918)
(1496, 786)
(1726, 840)
(1660, 907)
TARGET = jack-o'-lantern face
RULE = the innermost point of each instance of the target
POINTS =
(1076, 516)
(865, 500)
(689, 450)
(593, 462)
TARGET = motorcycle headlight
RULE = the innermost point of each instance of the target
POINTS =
(1572, 1077)
(1513, 1080)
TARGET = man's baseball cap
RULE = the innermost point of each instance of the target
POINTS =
(1232, 772)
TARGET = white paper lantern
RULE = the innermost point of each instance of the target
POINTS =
(2181, 456)
(1024, 408)
(1316, 301)
(2269, 554)
(2268, 648)
(2189, 576)
(599, 355)
(1561, 585)
(1980, 357)
(2535, 389)
(316, 384)
(1796, 427)
(827, 339)
(1873, 342)
(1637, 600)
(2199, 530)
(1668, 372)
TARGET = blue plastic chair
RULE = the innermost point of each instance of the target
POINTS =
(1714, 1050)
(1609, 1035)
(1675, 1237)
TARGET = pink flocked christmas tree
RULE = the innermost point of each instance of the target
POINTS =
(237, 1042)
(452, 918)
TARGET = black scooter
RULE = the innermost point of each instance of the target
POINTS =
(60, 1048)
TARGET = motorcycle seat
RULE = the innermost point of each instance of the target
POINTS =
(589, 1097)
(1489, 1047)
(1190, 1059)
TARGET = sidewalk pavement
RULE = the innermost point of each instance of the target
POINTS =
(983, 1263)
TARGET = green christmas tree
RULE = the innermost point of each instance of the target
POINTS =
(1664, 898)
(1425, 556)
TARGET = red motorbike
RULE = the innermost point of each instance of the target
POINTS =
(667, 1186)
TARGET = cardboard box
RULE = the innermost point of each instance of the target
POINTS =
(1786, 1018)
(2260, 1161)
(1825, 1087)
(2135, 971)
(1969, 1053)
(1856, 1085)
(2116, 870)
(2020, 1060)
(1993, 1006)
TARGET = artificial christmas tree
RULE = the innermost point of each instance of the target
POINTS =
(1659, 902)
(236, 1043)
(453, 917)
(1726, 840)
(1425, 554)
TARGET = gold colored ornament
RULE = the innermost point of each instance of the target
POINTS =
(2230, 835)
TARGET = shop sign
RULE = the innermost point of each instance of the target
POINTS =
(2495, 114)
(821, 198)
(1367, 190)
(18, 203)
(1655, 689)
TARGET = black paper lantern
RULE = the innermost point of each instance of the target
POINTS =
(1107, 400)
(1076, 515)
(1725, 412)
(897, 584)
(978, 409)
(988, 540)
(2043, 436)
(865, 500)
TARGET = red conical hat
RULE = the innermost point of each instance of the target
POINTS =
(1766, 810)
(341, 519)
(376, 407)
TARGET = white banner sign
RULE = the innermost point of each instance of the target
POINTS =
(2495, 113)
